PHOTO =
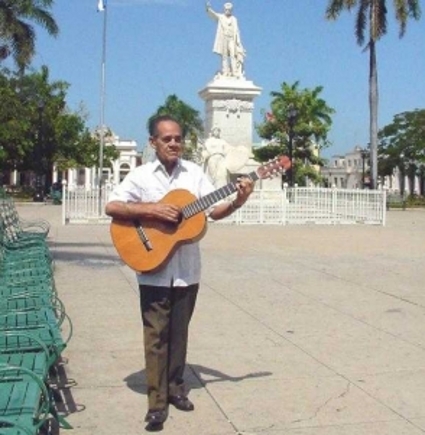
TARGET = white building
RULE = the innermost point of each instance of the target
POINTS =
(351, 171)
(347, 171)
(128, 159)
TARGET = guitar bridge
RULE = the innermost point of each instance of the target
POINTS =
(143, 237)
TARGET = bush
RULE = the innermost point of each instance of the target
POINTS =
(415, 201)
(21, 193)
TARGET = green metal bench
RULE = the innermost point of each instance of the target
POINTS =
(38, 286)
(22, 349)
(34, 328)
(41, 324)
(25, 272)
(25, 401)
(31, 349)
(13, 428)
(36, 348)
(20, 228)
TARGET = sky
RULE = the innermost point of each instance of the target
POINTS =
(155, 48)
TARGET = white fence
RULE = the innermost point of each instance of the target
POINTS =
(297, 205)
(81, 205)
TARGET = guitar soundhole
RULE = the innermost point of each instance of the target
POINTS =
(172, 227)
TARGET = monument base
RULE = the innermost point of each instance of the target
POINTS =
(229, 105)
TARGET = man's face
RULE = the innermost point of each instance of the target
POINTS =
(168, 143)
(227, 12)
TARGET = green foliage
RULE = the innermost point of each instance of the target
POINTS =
(402, 145)
(21, 193)
(17, 33)
(268, 152)
(189, 119)
(404, 136)
(37, 130)
(313, 120)
(372, 17)
(415, 201)
(15, 123)
(310, 129)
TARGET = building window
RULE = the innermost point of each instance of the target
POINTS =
(81, 177)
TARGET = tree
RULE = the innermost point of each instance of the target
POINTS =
(372, 14)
(15, 124)
(17, 34)
(79, 147)
(188, 118)
(312, 124)
(38, 131)
(402, 145)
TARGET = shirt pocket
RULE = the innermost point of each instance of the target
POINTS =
(153, 194)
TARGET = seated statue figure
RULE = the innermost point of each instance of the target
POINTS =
(214, 155)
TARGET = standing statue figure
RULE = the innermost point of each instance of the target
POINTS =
(214, 158)
(228, 42)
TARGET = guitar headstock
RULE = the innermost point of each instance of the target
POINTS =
(274, 167)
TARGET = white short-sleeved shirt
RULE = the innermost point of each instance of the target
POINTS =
(150, 183)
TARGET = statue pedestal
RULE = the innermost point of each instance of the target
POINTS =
(229, 105)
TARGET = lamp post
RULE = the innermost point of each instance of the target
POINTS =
(102, 104)
(364, 153)
(402, 174)
(292, 119)
(39, 193)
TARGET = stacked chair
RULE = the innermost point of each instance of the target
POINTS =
(33, 322)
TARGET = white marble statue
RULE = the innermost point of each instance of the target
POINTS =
(228, 42)
(214, 155)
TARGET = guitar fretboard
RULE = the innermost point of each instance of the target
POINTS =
(206, 201)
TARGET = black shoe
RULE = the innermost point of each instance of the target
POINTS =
(155, 419)
(182, 403)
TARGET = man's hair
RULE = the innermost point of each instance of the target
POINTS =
(155, 120)
(228, 6)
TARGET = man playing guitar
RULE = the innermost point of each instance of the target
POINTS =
(167, 293)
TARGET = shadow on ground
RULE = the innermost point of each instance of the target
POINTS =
(197, 376)
(63, 403)
(86, 259)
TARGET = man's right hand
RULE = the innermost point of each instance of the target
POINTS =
(166, 212)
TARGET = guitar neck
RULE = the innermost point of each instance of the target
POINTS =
(207, 201)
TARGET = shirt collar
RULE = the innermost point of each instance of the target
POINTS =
(158, 166)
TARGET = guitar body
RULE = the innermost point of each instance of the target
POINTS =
(164, 238)
(146, 245)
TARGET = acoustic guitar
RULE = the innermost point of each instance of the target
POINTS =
(146, 245)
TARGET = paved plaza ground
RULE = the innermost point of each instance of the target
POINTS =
(299, 330)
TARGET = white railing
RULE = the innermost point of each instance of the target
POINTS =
(297, 205)
(81, 205)
(312, 205)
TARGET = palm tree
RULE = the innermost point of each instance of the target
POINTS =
(188, 118)
(373, 13)
(297, 124)
(17, 35)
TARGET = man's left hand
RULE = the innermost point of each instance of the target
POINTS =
(245, 187)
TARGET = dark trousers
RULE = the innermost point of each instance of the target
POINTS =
(166, 314)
